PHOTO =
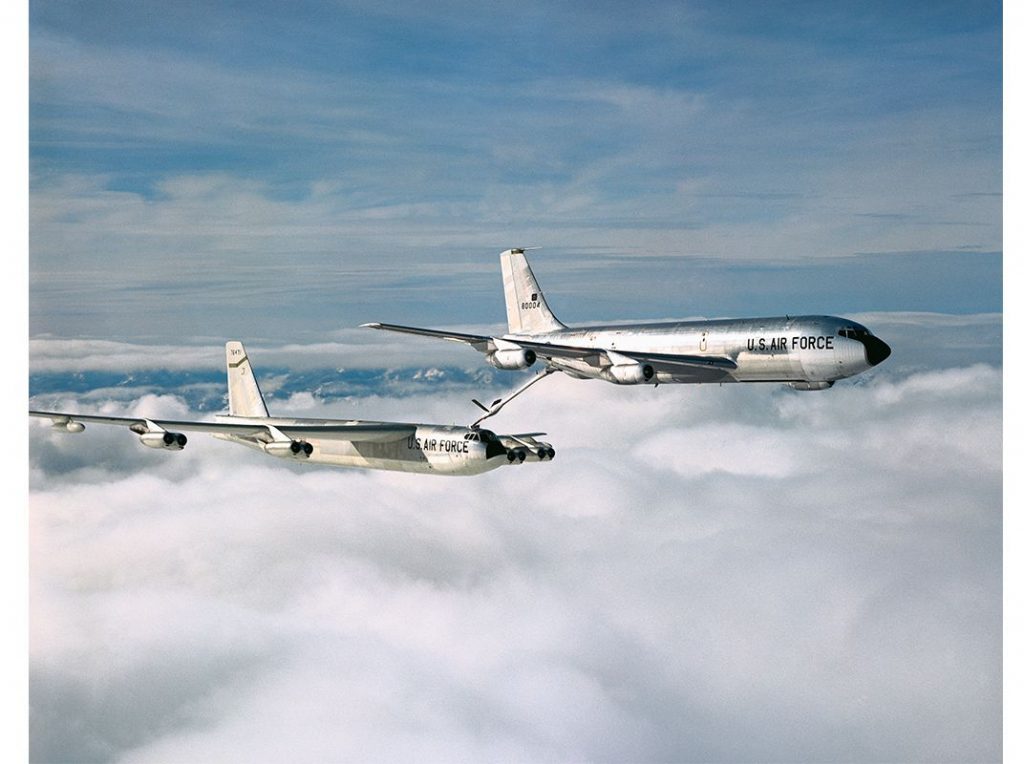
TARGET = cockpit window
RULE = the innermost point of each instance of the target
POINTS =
(854, 334)
(486, 436)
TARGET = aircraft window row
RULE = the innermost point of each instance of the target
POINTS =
(484, 436)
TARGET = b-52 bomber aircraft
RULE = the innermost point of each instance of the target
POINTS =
(806, 352)
(423, 448)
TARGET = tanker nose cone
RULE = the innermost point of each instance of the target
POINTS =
(876, 350)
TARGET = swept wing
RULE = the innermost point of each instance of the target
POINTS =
(600, 357)
(478, 341)
(698, 367)
(296, 429)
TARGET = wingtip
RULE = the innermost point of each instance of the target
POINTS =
(370, 325)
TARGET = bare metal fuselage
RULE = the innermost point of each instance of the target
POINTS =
(434, 449)
(795, 349)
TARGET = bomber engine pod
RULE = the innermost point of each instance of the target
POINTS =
(169, 441)
(512, 359)
(68, 425)
(539, 453)
(295, 449)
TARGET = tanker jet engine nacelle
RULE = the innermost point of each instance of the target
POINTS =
(168, 441)
(289, 449)
(512, 358)
(625, 371)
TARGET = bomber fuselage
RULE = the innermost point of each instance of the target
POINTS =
(436, 449)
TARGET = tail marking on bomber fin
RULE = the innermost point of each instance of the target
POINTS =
(244, 396)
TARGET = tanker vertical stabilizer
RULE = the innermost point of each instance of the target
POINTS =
(528, 311)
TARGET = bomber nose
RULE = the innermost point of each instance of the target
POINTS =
(876, 350)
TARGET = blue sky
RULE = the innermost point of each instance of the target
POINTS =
(285, 170)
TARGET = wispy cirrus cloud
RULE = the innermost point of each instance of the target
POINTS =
(198, 150)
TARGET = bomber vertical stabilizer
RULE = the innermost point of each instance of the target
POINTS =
(244, 396)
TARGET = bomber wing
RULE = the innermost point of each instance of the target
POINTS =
(354, 431)
(524, 447)
(521, 439)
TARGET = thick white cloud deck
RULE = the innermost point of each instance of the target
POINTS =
(705, 573)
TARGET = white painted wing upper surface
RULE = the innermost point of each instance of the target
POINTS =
(354, 431)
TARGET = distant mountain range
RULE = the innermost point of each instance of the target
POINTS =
(206, 389)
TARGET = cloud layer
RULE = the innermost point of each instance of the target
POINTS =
(703, 573)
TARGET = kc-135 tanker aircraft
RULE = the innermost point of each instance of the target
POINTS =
(423, 448)
(807, 352)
